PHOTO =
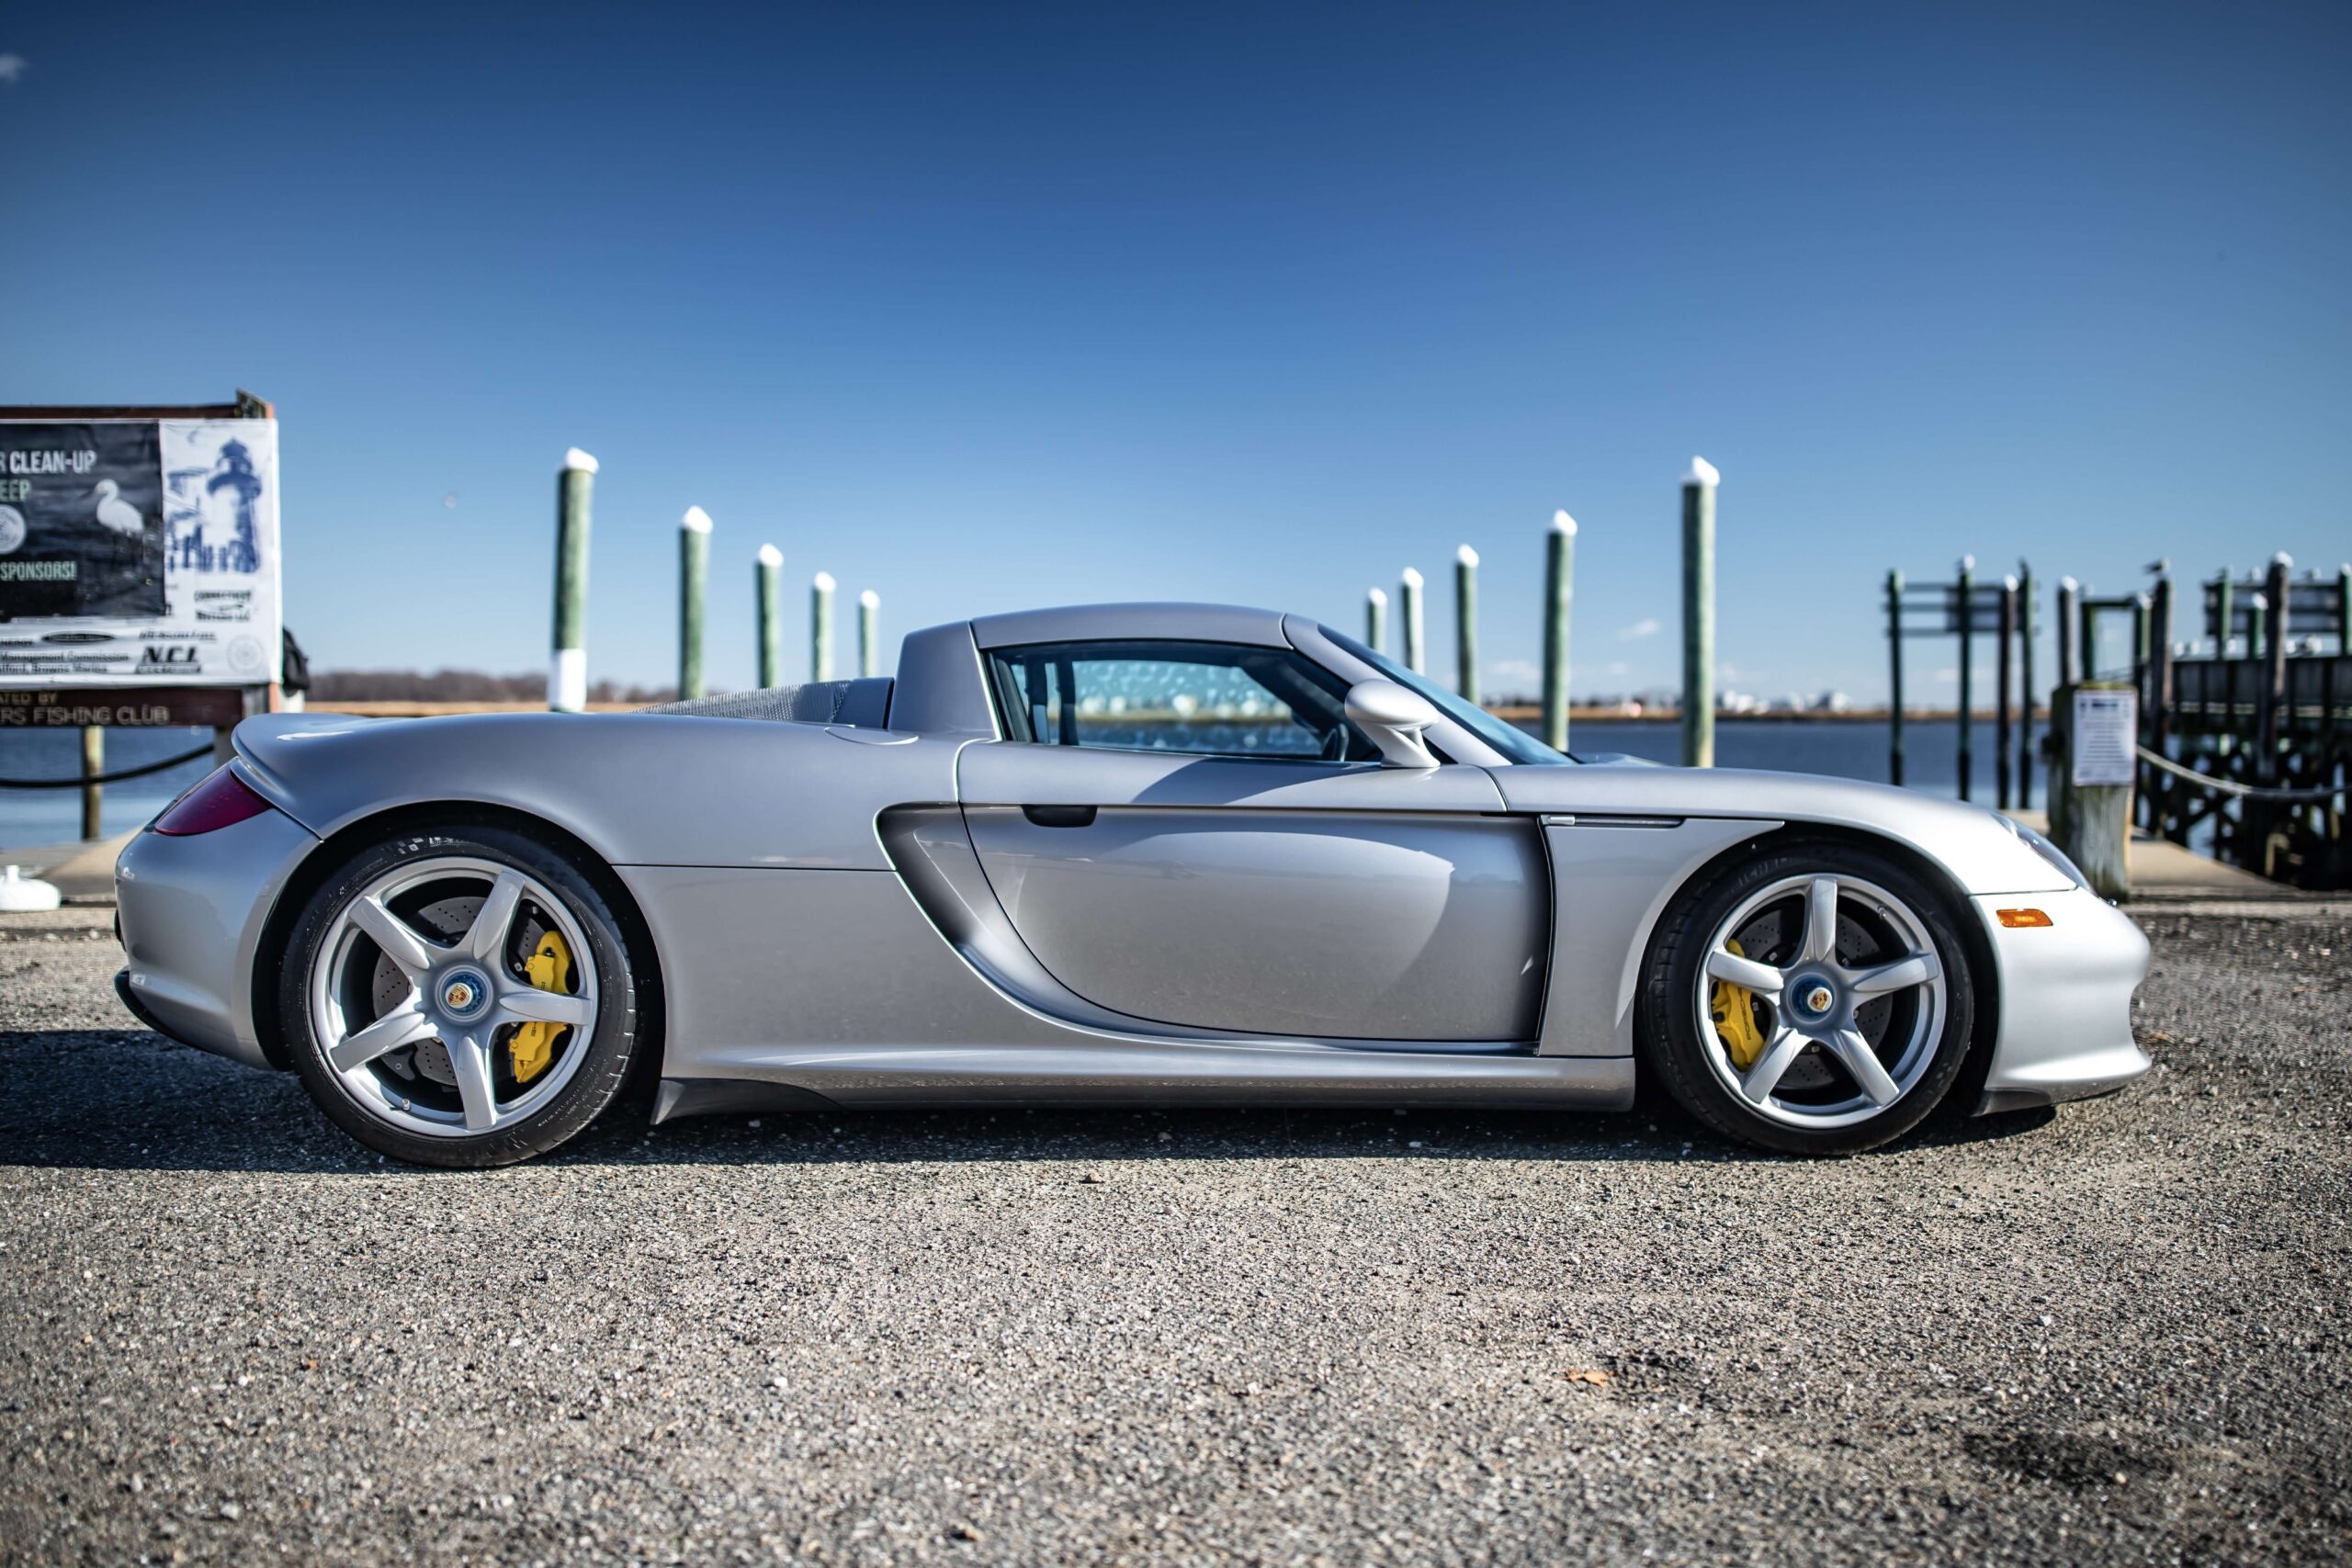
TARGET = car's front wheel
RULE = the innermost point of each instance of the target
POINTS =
(460, 997)
(1815, 1001)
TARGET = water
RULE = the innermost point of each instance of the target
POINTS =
(1853, 750)
(1843, 748)
(30, 816)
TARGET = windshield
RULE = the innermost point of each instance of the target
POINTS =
(1515, 744)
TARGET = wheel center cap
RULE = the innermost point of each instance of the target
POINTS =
(1813, 998)
(464, 993)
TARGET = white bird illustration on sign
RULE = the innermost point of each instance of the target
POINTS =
(115, 513)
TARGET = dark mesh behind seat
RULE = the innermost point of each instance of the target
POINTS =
(863, 705)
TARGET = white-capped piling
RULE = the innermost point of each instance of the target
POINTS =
(1408, 612)
(768, 600)
(820, 626)
(1559, 589)
(1466, 623)
(568, 657)
(870, 634)
(1375, 620)
(694, 590)
(1699, 484)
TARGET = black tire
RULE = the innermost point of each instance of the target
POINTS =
(611, 1045)
(1672, 1051)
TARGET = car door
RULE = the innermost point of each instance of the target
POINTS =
(1190, 833)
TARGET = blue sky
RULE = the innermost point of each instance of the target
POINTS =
(990, 307)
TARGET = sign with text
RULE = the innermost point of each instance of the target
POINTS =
(139, 550)
(2106, 731)
(129, 707)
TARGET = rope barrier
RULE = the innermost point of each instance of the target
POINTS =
(139, 773)
(2231, 786)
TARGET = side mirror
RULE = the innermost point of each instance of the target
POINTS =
(1394, 718)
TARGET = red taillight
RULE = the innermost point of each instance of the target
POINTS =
(221, 801)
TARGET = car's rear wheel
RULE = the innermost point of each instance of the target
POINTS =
(1815, 1001)
(460, 997)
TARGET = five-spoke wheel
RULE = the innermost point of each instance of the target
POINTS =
(1814, 1001)
(453, 998)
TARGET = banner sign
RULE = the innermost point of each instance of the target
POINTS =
(136, 707)
(139, 550)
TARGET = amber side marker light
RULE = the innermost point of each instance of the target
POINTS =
(2022, 920)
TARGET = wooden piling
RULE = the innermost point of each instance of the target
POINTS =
(1559, 594)
(94, 762)
(2155, 706)
(1409, 613)
(2069, 596)
(694, 591)
(768, 606)
(820, 626)
(870, 634)
(1466, 623)
(1699, 486)
(2027, 626)
(1965, 589)
(568, 655)
(1894, 677)
(1375, 620)
(2004, 669)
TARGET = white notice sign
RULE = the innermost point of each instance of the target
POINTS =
(2107, 729)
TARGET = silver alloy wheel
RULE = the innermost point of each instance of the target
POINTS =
(458, 990)
(1856, 947)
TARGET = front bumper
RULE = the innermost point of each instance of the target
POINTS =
(190, 911)
(2065, 1001)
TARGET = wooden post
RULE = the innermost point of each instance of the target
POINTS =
(1375, 620)
(2069, 596)
(870, 634)
(1699, 485)
(2088, 638)
(1466, 623)
(1894, 677)
(2026, 628)
(1965, 588)
(94, 762)
(2155, 714)
(567, 660)
(2279, 588)
(820, 626)
(768, 605)
(1408, 612)
(2094, 827)
(2343, 610)
(694, 589)
(2003, 666)
(1559, 591)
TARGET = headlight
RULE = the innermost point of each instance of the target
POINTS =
(2047, 851)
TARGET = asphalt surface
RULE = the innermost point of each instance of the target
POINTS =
(2113, 1334)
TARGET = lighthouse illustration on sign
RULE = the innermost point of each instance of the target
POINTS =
(202, 538)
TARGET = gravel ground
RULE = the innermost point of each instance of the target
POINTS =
(2117, 1333)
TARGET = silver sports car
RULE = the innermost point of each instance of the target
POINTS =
(1166, 853)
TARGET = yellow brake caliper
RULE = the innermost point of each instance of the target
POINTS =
(549, 970)
(1734, 1010)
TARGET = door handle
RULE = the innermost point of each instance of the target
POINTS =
(1059, 816)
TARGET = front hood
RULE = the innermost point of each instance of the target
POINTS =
(1975, 846)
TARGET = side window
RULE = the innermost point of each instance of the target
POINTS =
(1207, 698)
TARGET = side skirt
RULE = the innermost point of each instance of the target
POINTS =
(1145, 1074)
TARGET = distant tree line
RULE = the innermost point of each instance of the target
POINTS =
(461, 686)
